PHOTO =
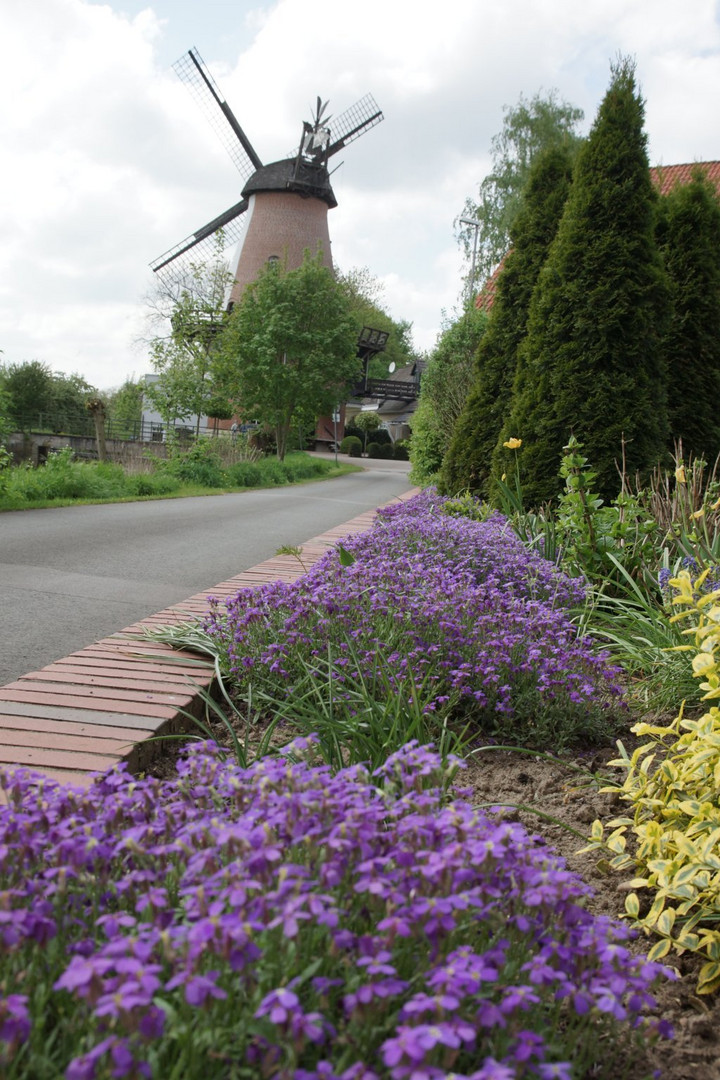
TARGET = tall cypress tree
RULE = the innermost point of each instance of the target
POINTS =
(689, 238)
(467, 463)
(592, 362)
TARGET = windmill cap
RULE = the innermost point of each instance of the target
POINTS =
(303, 177)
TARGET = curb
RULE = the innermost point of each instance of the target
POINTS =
(88, 711)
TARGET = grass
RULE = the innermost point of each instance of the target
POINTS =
(23, 498)
(636, 630)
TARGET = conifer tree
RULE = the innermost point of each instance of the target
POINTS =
(592, 362)
(466, 466)
(689, 238)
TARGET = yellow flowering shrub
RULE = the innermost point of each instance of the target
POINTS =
(672, 784)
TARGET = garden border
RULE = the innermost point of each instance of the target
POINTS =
(88, 711)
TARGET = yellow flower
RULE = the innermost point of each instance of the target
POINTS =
(513, 444)
(680, 474)
(715, 505)
(502, 478)
(698, 514)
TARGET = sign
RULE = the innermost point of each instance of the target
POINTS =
(389, 388)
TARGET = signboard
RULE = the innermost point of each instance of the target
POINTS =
(390, 388)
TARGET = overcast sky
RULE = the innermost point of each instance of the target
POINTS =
(107, 161)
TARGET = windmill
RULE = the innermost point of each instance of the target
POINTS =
(283, 206)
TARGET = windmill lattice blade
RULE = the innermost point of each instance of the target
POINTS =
(354, 122)
(193, 72)
(200, 246)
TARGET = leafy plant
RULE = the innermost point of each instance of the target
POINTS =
(632, 623)
(671, 785)
(351, 445)
(364, 715)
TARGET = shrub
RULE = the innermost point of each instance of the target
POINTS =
(675, 822)
(593, 352)
(152, 484)
(64, 478)
(351, 445)
(380, 450)
(401, 450)
(245, 474)
(274, 473)
(281, 921)
(466, 465)
(300, 466)
(200, 464)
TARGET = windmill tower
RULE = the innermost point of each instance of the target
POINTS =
(284, 205)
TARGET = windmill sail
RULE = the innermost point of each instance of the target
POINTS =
(354, 122)
(193, 72)
(232, 224)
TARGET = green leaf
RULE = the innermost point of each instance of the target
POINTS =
(659, 949)
(632, 905)
(687, 940)
(709, 978)
(346, 559)
(666, 921)
(684, 876)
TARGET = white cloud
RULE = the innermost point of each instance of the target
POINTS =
(107, 162)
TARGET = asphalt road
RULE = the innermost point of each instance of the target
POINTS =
(71, 575)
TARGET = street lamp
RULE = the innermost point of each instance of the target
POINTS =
(335, 422)
(476, 226)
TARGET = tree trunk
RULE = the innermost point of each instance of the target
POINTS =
(97, 411)
(281, 438)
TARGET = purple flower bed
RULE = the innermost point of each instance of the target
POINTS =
(281, 921)
(460, 611)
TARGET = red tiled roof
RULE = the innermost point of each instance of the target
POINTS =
(486, 297)
(666, 177)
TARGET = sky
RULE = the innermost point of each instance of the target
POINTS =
(107, 162)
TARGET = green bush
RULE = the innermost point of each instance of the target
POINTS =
(200, 464)
(379, 435)
(274, 473)
(301, 467)
(63, 478)
(475, 432)
(245, 474)
(401, 450)
(593, 359)
(673, 818)
(379, 450)
(351, 445)
(161, 483)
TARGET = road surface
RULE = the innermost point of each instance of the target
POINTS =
(71, 575)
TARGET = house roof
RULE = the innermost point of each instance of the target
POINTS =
(665, 178)
(486, 297)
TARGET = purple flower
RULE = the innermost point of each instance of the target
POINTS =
(278, 1006)
(414, 1043)
(14, 1019)
(558, 1070)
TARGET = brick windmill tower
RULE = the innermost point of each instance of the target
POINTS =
(284, 205)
